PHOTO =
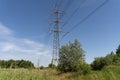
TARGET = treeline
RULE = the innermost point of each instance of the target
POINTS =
(16, 64)
(110, 59)
(72, 59)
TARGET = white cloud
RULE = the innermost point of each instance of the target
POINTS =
(28, 41)
(4, 30)
(7, 47)
(19, 48)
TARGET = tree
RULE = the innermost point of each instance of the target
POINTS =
(98, 63)
(25, 64)
(41, 67)
(16, 64)
(118, 51)
(110, 58)
(70, 57)
(52, 66)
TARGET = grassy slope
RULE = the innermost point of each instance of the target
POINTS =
(108, 73)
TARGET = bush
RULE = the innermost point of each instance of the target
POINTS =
(110, 59)
(99, 63)
(83, 68)
(41, 67)
(52, 66)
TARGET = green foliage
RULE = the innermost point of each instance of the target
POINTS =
(52, 66)
(98, 63)
(41, 67)
(25, 64)
(107, 73)
(70, 56)
(83, 68)
(110, 59)
(118, 51)
(21, 74)
(16, 64)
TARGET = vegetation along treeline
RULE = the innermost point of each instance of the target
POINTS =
(16, 64)
(72, 59)
(108, 60)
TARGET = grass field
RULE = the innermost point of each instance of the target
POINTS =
(20, 74)
(108, 73)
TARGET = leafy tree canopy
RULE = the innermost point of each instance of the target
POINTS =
(70, 57)
(16, 64)
(118, 51)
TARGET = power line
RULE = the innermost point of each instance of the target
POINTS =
(73, 14)
(68, 5)
(69, 2)
(75, 26)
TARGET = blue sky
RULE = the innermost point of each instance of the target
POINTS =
(24, 26)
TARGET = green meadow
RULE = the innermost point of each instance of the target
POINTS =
(107, 73)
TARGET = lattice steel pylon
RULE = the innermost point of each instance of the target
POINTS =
(56, 30)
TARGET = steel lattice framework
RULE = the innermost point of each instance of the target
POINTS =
(56, 31)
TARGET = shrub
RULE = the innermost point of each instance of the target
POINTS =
(83, 68)
(98, 63)
(41, 67)
(52, 66)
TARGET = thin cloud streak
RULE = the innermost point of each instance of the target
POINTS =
(13, 47)
(4, 30)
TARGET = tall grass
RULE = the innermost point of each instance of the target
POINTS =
(21, 74)
(107, 73)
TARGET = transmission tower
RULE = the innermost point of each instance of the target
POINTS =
(56, 31)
